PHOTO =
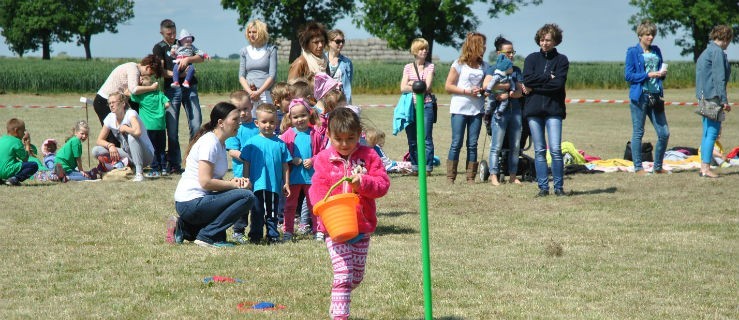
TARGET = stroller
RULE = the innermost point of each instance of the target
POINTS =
(526, 168)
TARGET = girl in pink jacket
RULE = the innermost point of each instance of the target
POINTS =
(345, 157)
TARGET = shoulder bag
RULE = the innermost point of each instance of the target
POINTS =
(710, 109)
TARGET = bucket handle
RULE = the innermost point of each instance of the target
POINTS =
(344, 179)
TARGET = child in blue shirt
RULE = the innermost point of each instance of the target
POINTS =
(266, 161)
(234, 144)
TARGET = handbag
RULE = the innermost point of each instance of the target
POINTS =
(646, 152)
(710, 109)
(656, 102)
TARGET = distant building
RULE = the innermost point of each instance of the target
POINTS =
(357, 50)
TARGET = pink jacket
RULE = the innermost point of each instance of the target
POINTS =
(330, 167)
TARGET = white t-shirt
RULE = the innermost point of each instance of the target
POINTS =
(468, 78)
(207, 148)
(112, 124)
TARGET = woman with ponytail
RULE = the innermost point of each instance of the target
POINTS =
(208, 205)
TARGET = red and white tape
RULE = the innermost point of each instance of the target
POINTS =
(593, 101)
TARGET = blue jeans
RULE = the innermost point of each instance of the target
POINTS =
(159, 141)
(510, 122)
(710, 133)
(553, 127)
(410, 132)
(27, 170)
(266, 211)
(639, 111)
(472, 125)
(208, 217)
(191, 104)
(190, 71)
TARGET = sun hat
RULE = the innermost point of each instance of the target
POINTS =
(322, 84)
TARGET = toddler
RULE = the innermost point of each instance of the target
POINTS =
(15, 148)
(184, 49)
(247, 130)
(152, 108)
(376, 140)
(266, 160)
(48, 150)
(304, 143)
(68, 160)
(368, 179)
(502, 74)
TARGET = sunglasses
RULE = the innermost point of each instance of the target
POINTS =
(508, 52)
(339, 41)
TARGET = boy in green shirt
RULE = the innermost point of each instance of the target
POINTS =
(14, 150)
(152, 106)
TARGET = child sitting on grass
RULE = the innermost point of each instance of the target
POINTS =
(376, 140)
(368, 179)
(68, 160)
(15, 148)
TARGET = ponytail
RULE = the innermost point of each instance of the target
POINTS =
(220, 112)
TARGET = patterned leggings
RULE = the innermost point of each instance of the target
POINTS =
(348, 261)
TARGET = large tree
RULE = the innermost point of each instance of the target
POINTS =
(284, 17)
(444, 22)
(694, 18)
(18, 39)
(36, 22)
(92, 17)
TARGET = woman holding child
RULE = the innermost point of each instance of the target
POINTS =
(126, 126)
(207, 204)
(510, 123)
(464, 82)
(258, 63)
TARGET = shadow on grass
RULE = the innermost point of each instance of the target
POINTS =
(396, 213)
(383, 230)
(594, 191)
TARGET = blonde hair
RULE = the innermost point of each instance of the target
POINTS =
(646, 27)
(336, 32)
(280, 92)
(418, 44)
(374, 136)
(332, 100)
(473, 49)
(79, 126)
(146, 80)
(262, 34)
(122, 97)
(267, 108)
(287, 122)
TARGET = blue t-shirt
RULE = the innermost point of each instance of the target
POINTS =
(266, 157)
(237, 142)
(650, 62)
(302, 150)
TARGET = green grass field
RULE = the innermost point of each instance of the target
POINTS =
(618, 247)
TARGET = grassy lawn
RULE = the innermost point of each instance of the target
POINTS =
(619, 247)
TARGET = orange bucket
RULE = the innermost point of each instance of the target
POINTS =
(339, 215)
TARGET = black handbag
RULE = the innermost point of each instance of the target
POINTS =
(646, 152)
(656, 102)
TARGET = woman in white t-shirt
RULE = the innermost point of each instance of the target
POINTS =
(126, 126)
(464, 82)
(207, 204)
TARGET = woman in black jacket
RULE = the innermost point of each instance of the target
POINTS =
(544, 78)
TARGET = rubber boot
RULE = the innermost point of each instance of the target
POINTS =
(451, 170)
(471, 171)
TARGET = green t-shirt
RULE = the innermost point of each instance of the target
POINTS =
(69, 153)
(12, 155)
(151, 109)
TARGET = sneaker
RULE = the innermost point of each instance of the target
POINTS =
(138, 177)
(12, 181)
(320, 236)
(215, 245)
(153, 174)
(725, 164)
(186, 84)
(175, 84)
(287, 236)
(240, 238)
(164, 173)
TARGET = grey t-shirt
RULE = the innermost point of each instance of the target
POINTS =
(258, 66)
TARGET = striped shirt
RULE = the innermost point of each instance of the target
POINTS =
(410, 72)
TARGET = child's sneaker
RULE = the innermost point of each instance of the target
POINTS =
(186, 84)
(287, 236)
(320, 236)
(13, 181)
(240, 238)
(138, 177)
(175, 84)
(164, 173)
(152, 174)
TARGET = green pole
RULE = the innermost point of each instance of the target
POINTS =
(419, 88)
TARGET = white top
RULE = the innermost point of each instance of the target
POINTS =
(111, 122)
(207, 148)
(125, 76)
(468, 78)
(256, 53)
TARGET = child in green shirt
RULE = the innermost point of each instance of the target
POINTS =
(152, 106)
(15, 148)
(68, 159)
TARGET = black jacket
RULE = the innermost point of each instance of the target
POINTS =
(548, 96)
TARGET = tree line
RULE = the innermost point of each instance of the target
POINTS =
(28, 25)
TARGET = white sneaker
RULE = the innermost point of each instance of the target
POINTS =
(205, 244)
(320, 236)
(138, 177)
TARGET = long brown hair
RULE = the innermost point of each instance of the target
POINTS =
(220, 112)
(473, 49)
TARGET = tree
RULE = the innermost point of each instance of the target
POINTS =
(444, 22)
(26, 24)
(695, 18)
(284, 17)
(18, 39)
(92, 17)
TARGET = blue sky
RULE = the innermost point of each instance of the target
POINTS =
(591, 33)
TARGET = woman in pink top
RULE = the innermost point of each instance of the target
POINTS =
(421, 70)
